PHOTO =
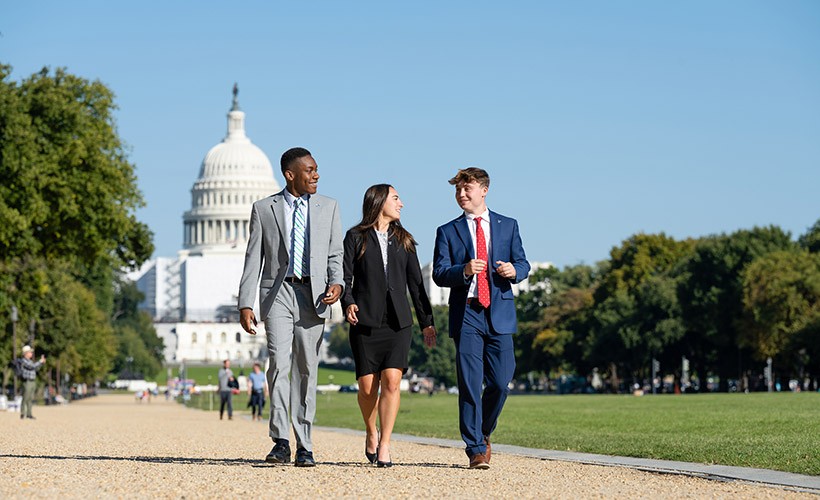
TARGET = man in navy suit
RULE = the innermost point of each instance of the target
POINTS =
(479, 256)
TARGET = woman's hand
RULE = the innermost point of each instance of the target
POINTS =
(429, 336)
(352, 309)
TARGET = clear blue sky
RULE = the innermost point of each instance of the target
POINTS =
(596, 120)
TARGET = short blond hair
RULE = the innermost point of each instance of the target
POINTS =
(472, 174)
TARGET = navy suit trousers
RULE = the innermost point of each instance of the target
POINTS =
(483, 357)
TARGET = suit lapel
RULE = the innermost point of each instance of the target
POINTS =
(278, 208)
(495, 235)
(374, 254)
(463, 231)
(314, 215)
(392, 257)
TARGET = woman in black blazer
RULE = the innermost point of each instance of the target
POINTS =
(380, 268)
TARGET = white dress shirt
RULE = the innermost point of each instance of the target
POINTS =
(485, 225)
(383, 243)
(289, 206)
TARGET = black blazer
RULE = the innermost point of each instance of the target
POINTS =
(366, 286)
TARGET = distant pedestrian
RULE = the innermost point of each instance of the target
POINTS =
(257, 387)
(28, 372)
(226, 381)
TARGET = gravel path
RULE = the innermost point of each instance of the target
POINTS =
(111, 446)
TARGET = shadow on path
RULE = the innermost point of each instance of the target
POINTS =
(154, 460)
(215, 461)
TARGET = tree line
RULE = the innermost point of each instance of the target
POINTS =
(727, 303)
(724, 302)
(67, 229)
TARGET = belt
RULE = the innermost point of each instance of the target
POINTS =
(473, 301)
(304, 280)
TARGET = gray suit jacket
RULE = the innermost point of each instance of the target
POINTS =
(267, 253)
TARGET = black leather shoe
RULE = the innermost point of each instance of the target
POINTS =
(304, 458)
(280, 454)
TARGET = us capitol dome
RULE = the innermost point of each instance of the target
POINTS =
(234, 174)
(192, 297)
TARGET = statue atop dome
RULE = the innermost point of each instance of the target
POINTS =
(235, 106)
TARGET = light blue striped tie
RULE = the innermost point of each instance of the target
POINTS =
(298, 238)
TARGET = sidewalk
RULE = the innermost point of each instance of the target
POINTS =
(111, 446)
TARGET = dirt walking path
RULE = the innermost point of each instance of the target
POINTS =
(113, 447)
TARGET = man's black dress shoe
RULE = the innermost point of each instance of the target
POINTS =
(304, 458)
(280, 454)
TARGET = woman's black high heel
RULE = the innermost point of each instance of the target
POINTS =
(379, 463)
(371, 457)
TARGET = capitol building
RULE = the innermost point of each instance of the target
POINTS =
(192, 297)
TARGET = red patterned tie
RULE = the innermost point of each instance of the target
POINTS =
(481, 254)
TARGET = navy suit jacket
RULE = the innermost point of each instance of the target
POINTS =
(454, 249)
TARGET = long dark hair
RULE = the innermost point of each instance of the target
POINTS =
(374, 199)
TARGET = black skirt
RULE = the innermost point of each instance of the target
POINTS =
(387, 346)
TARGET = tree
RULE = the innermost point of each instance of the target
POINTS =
(136, 337)
(67, 220)
(781, 299)
(636, 311)
(68, 190)
(438, 362)
(710, 292)
(552, 319)
(339, 343)
(640, 258)
(70, 328)
(811, 240)
(562, 322)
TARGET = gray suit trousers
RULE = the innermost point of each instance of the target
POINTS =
(294, 332)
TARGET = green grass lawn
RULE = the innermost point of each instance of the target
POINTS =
(772, 431)
(200, 373)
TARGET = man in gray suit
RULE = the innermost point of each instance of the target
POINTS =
(295, 246)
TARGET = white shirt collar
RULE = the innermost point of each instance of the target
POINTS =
(485, 216)
(289, 198)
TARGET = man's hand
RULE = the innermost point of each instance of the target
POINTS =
(429, 336)
(332, 295)
(248, 320)
(352, 309)
(475, 266)
(505, 269)
(42, 358)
